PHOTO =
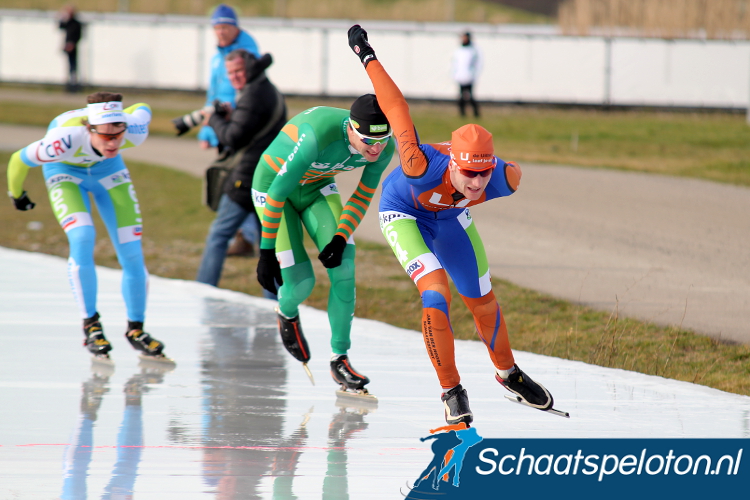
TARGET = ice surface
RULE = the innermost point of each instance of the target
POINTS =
(238, 417)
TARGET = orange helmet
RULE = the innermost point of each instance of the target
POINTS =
(472, 148)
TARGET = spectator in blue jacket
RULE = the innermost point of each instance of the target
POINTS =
(229, 37)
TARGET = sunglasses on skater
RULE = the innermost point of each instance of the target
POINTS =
(473, 173)
(371, 141)
(108, 137)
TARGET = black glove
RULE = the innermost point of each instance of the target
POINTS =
(332, 253)
(23, 203)
(269, 270)
(220, 108)
(359, 44)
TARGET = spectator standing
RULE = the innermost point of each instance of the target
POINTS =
(466, 66)
(73, 30)
(229, 37)
(248, 130)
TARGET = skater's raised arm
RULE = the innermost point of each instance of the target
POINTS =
(413, 160)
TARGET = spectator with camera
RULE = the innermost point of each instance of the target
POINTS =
(229, 36)
(245, 131)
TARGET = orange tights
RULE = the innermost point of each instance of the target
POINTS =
(438, 333)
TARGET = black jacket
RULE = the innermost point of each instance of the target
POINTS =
(258, 103)
(72, 28)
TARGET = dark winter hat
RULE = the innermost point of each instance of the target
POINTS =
(224, 14)
(367, 117)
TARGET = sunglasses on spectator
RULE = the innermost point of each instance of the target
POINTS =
(108, 137)
(371, 141)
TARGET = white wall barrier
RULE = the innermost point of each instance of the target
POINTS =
(313, 58)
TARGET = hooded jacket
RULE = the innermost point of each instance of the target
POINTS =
(258, 117)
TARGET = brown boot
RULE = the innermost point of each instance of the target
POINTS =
(240, 247)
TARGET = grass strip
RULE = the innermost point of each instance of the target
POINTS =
(711, 146)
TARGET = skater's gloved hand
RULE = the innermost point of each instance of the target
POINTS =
(23, 203)
(332, 253)
(269, 270)
(359, 44)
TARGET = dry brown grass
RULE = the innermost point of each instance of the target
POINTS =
(657, 18)
(402, 10)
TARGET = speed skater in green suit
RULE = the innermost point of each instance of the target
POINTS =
(294, 187)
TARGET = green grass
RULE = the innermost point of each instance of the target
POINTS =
(703, 145)
(175, 228)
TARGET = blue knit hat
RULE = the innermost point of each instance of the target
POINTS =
(224, 14)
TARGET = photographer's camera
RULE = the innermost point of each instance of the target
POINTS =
(190, 120)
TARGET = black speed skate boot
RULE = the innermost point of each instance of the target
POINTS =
(292, 337)
(94, 339)
(344, 373)
(532, 393)
(142, 341)
(456, 403)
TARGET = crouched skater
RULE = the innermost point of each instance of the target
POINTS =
(294, 187)
(424, 216)
(80, 156)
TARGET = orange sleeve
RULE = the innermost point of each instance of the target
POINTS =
(513, 175)
(393, 104)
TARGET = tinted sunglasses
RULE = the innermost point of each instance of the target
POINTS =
(108, 137)
(473, 173)
(371, 141)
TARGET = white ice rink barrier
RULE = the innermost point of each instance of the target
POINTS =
(312, 57)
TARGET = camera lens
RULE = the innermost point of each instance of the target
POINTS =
(188, 121)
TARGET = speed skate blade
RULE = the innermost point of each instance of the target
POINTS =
(102, 359)
(361, 397)
(102, 366)
(151, 365)
(309, 373)
(161, 359)
(553, 411)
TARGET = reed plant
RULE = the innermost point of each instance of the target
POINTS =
(710, 19)
(479, 11)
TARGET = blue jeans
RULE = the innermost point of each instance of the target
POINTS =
(229, 217)
(251, 229)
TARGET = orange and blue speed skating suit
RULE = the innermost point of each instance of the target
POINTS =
(430, 229)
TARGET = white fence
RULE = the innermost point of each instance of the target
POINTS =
(313, 58)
